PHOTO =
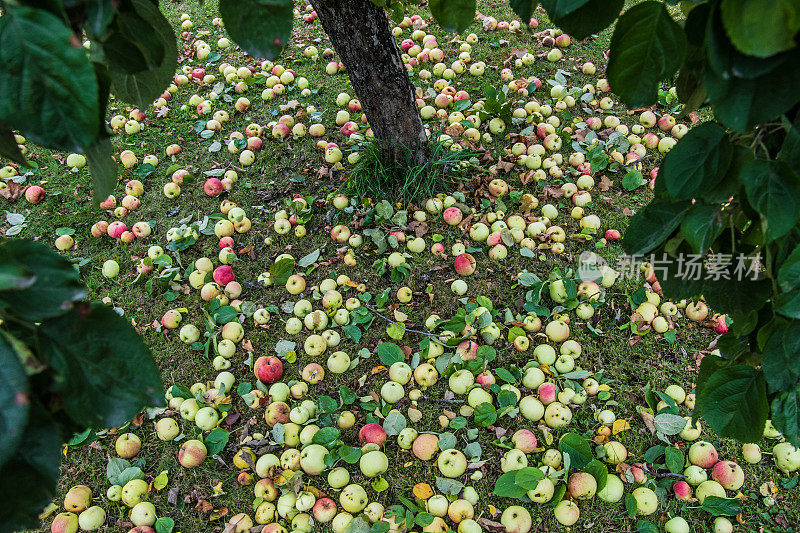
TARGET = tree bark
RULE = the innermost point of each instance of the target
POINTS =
(359, 32)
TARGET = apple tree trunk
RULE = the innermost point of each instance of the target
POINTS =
(360, 34)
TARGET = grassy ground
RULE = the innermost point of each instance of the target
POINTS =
(284, 169)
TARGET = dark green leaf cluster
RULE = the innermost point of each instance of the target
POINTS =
(65, 365)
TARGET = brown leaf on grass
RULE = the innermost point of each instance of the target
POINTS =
(12, 191)
(627, 212)
(505, 166)
(465, 224)
(172, 496)
(648, 420)
(526, 177)
(138, 420)
(553, 192)
(491, 526)
(605, 183)
(419, 228)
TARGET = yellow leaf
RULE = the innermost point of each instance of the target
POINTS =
(50, 509)
(423, 491)
(161, 480)
(604, 386)
(218, 489)
(620, 425)
(492, 510)
(546, 370)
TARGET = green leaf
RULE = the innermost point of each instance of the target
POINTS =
(389, 353)
(786, 415)
(702, 225)
(216, 441)
(740, 103)
(56, 284)
(736, 296)
(675, 460)
(599, 471)
(717, 506)
(262, 28)
(28, 479)
(516, 483)
(308, 260)
(101, 362)
(697, 163)
(326, 405)
(14, 275)
(99, 13)
(165, 524)
(780, 363)
(651, 225)
(423, 519)
(280, 271)
(523, 8)
(578, 448)
(453, 15)
(14, 399)
(447, 441)
(326, 436)
(104, 169)
(582, 18)
(349, 454)
(142, 87)
(394, 423)
(733, 401)
(773, 189)
(48, 85)
(485, 415)
(746, 20)
(653, 453)
(790, 150)
(125, 50)
(643, 526)
(630, 505)
(225, 314)
(647, 47)
(632, 180)
(448, 486)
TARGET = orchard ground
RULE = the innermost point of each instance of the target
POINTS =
(204, 498)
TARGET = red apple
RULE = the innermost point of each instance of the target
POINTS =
(372, 433)
(268, 369)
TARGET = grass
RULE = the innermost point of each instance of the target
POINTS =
(292, 168)
(373, 177)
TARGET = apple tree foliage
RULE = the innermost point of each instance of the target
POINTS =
(65, 365)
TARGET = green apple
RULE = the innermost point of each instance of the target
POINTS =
(338, 477)
(452, 463)
(312, 459)
(613, 490)
(167, 429)
(353, 498)
(92, 518)
(374, 463)
(206, 418)
(143, 514)
(134, 491)
(516, 519)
